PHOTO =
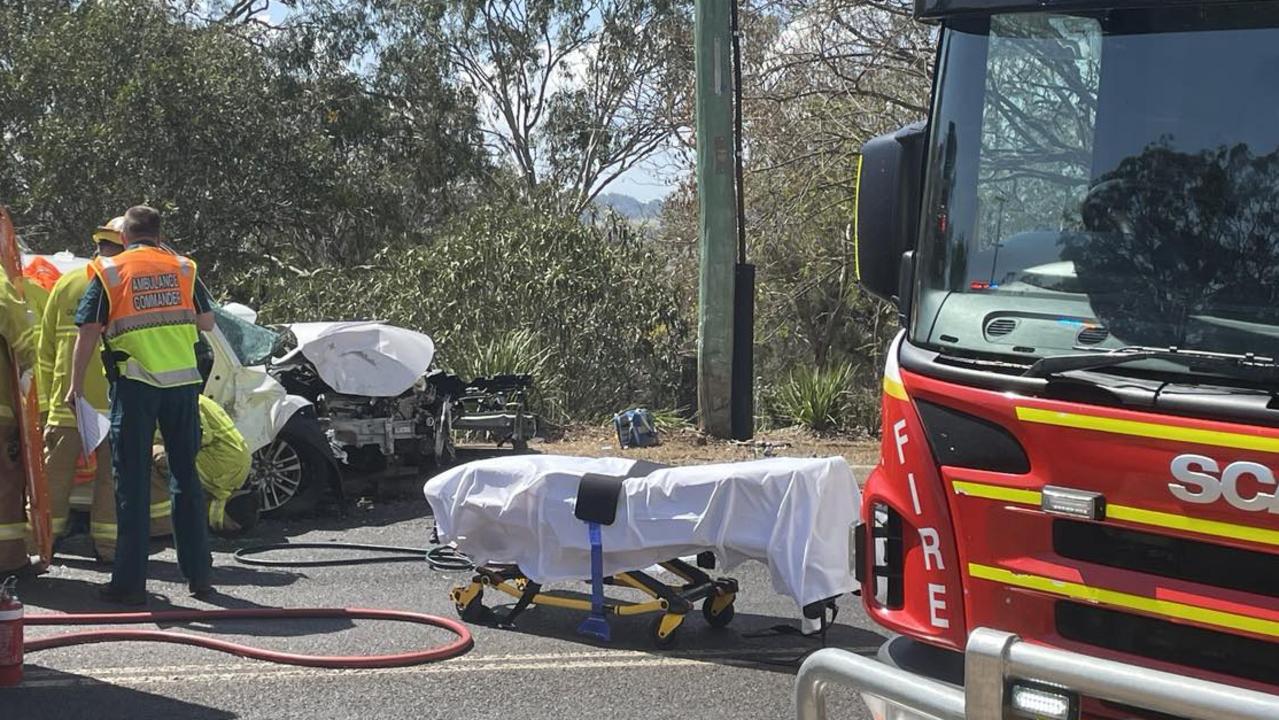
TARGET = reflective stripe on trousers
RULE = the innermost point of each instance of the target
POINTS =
(159, 511)
(61, 453)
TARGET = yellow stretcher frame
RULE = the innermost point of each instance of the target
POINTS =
(672, 602)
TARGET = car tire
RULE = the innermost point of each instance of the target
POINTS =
(290, 474)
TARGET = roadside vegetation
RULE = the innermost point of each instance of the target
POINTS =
(437, 164)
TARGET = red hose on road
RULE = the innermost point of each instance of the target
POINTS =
(457, 647)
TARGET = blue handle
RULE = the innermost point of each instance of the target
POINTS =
(597, 569)
(596, 624)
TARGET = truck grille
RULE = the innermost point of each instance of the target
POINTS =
(1207, 650)
(1170, 557)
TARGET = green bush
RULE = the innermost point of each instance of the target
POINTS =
(596, 312)
(817, 398)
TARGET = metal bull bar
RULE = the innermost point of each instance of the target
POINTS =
(997, 664)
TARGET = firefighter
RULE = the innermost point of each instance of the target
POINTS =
(62, 451)
(223, 463)
(148, 307)
(17, 331)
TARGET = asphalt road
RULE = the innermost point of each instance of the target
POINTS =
(542, 669)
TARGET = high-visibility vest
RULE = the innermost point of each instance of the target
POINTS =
(151, 315)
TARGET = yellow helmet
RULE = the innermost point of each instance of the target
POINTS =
(111, 232)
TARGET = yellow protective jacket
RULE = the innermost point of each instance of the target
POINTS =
(223, 462)
(56, 349)
(17, 331)
(37, 296)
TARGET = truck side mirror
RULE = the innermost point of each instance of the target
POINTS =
(889, 194)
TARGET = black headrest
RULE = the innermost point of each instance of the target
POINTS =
(597, 497)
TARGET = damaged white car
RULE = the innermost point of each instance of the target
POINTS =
(383, 407)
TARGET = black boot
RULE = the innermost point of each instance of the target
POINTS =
(111, 594)
(201, 590)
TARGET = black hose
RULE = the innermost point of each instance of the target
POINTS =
(440, 557)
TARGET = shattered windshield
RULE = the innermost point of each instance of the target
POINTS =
(253, 344)
(1105, 180)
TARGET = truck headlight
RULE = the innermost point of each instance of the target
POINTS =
(1043, 702)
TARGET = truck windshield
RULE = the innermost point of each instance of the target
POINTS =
(1103, 180)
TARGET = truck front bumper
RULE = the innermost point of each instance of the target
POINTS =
(1006, 677)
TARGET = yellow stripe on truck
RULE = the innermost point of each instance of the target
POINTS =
(1173, 521)
(1157, 431)
(1115, 598)
(857, 237)
(1135, 515)
(894, 388)
(997, 492)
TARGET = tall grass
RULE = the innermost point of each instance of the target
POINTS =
(671, 419)
(819, 399)
(513, 352)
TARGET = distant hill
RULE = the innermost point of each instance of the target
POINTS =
(629, 207)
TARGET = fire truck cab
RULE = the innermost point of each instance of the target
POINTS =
(1081, 412)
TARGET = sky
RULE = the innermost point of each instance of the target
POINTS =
(651, 180)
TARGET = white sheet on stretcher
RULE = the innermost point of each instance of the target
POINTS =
(795, 515)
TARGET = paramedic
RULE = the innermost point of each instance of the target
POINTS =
(148, 306)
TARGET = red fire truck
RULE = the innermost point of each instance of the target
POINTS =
(1081, 412)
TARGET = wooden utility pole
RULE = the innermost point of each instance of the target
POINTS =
(717, 217)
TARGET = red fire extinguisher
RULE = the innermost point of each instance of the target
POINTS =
(10, 635)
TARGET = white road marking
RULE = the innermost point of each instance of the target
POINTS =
(617, 659)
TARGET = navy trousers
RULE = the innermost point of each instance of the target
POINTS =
(136, 410)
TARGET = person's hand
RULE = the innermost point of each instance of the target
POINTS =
(70, 399)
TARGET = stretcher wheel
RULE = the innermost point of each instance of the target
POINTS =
(471, 610)
(662, 632)
(720, 620)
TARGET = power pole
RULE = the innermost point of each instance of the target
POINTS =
(717, 217)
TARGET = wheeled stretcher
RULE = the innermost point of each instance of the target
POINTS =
(670, 603)
(529, 521)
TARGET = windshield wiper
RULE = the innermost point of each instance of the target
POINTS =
(1104, 358)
